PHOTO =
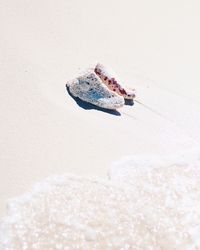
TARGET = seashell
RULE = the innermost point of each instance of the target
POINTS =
(112, 83)
(89, 88)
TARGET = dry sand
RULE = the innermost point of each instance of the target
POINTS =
(43, 43)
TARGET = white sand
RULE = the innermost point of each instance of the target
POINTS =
(43, 43)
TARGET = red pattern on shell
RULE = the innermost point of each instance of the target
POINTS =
(113, 84)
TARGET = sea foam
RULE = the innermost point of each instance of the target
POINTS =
(151, 202)
(165, 190)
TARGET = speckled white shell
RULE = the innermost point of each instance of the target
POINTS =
(89, 87)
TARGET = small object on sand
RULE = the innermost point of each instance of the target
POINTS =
(89, 88)
(110, 81)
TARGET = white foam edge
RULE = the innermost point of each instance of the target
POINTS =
(189, 157)
(44, 186)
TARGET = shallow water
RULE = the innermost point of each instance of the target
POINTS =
(151, 202)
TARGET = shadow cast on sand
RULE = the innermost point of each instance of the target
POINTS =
(89, 106)
(129, 102)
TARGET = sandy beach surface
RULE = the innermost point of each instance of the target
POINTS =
(152, 45)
